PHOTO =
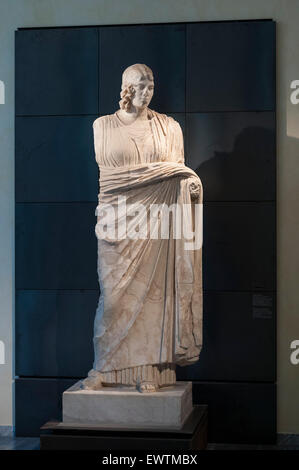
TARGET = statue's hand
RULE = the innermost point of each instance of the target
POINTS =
(194, 188)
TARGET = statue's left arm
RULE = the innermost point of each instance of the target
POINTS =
(178, 154)
(195, 186)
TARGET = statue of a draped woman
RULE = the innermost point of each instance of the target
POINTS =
(149, 314)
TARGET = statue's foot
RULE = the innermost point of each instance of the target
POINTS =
(147, 387)
(93, 381)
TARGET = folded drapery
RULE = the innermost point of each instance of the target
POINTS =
(150, 306)
(113, 179)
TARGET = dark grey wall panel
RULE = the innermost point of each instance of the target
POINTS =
(239, 246)
(234, 154)
(55, 159)
(57, 71)
(230, 66)
(238, 412)
(238, 338)
(161, 47)
(38, 401)
(56, 246)
(54, 331)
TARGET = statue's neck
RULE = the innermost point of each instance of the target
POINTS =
(132, 116)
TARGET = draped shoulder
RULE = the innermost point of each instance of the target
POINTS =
(174, 133)
(100, 127)
(178, 140)
(100, 121)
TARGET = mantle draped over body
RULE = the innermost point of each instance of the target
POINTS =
(149, 314)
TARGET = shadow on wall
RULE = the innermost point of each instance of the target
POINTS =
(247, 173)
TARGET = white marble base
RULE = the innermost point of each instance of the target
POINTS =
(126, 407)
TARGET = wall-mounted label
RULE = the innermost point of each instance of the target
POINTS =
(262, 312)
(294, 357)
(262, 306)
(2, 353)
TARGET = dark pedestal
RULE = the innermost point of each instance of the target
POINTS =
(192, 436)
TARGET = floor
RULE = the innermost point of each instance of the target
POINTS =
(284, 442)
(19, 443)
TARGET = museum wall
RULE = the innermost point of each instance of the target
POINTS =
(31, 14)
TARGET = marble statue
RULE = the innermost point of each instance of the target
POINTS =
(149, 314)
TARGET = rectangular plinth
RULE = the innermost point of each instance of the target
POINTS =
(67, 436)
(127, 407)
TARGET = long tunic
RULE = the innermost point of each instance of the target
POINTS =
(149, 315)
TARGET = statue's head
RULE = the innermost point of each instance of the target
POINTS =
(137, 87)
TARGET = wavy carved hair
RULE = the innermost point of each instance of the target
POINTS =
(129, 76)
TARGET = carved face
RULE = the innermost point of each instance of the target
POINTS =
(143, 92)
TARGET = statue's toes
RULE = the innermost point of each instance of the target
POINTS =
(147, 387)
(91, 383)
